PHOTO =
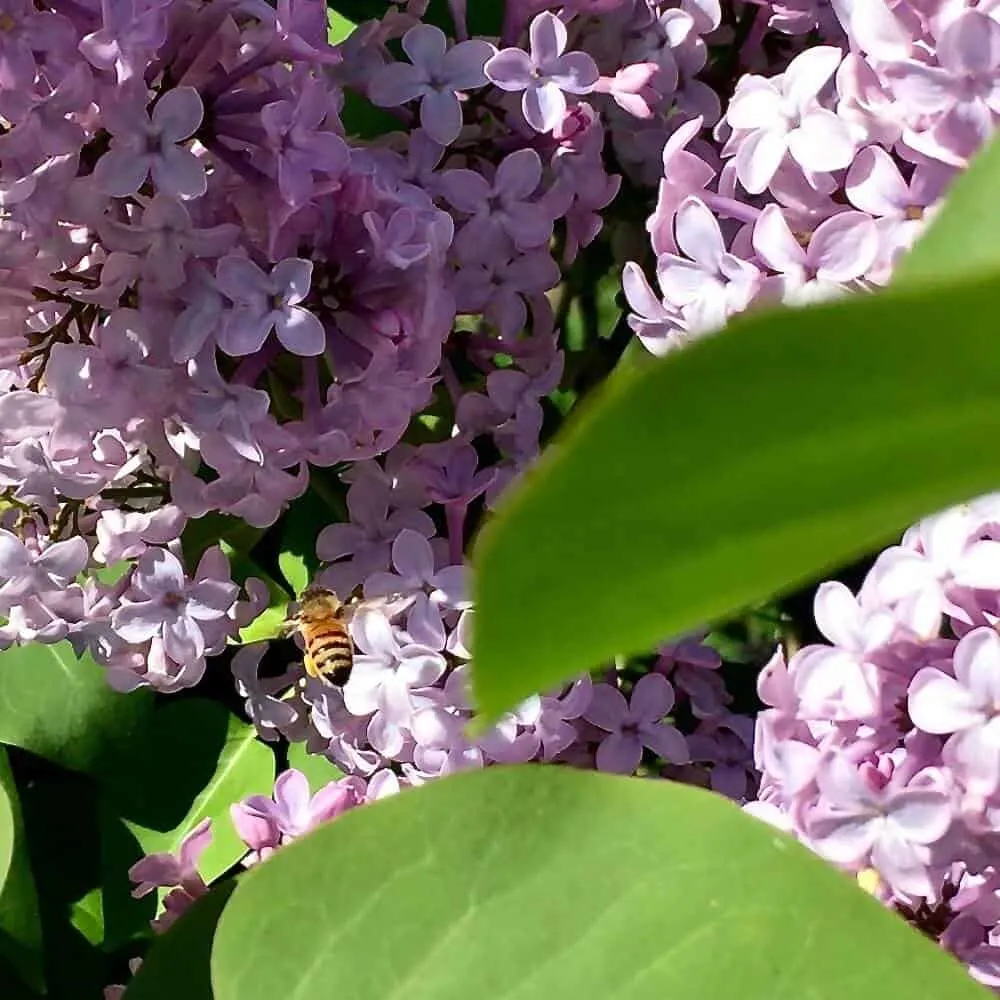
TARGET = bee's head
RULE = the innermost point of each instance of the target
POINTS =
(318, 600)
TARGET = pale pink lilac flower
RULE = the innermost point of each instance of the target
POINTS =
(964, 705)
(776, 118)
(266, 823)
(179, 873)
(866, 819)
(161, 603)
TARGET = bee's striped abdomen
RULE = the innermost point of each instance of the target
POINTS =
(330, 653)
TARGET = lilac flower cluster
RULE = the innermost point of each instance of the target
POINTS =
(209, 287)
(402, 716)
(820, 175)
(263, 823)
(881, 750)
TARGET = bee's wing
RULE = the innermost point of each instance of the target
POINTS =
(389, 604)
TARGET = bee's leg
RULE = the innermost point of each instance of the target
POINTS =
(288, 626)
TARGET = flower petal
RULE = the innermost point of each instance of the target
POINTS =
(543, 107)
(547, 37)
(619, 754)
(608, 707)
(937, 703)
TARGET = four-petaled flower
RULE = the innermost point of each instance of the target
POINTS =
(865, 817)
(24, 573)
(965, 706)
(161, 602)
(145, 145)
(265, 302)
(777, 117)
(436, 75)
(546, 75)
(634, 724)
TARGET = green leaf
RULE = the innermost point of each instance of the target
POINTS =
(961, 239)
(196, 761)
(741, 466)
(109, 575)
(297, 558)
(339, 27)
(11, 987)
(111, 916)
(20, 922)
(317, 769)
(267, 624)
(8, 823)
(64, 843)
(232, 533)
(363, 120)
(87, 916)
(294, 570)
(62, 708)
(542, 882)
(177, 966)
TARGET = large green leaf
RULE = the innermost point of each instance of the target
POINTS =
(61, 708)
(534, 883)
(64, 843)
(962, 238)
(110, 915)
(745, 464)
(177, 966)
(20, 922)
(8, 828)
(195, 761)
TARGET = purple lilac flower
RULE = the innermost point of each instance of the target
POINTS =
(545, 75)
(775, 119)
(161, 603)
(264, 824)
(634, 724)
(147, 145)
(23, 572)
(179, 873)
(436, 75)
(265, 302)
(964, 705)
(879, 821)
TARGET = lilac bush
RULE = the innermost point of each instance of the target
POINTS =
(222, 296)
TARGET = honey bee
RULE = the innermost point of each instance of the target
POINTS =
(323, 620)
